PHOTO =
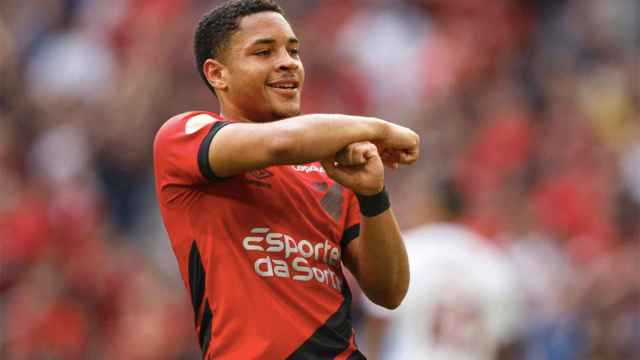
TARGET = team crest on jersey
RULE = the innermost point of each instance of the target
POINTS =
(261, 174)
(258, 178)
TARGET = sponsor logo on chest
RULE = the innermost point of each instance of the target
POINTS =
(282, 256)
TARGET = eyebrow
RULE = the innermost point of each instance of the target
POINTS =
(271, 41)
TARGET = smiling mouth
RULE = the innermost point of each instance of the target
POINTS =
(284, 85)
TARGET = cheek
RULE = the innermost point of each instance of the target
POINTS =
(302, 74)
(247, 78)
(249, 93)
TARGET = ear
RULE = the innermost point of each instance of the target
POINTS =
(216, 74)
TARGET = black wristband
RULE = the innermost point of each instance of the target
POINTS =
(374, 205)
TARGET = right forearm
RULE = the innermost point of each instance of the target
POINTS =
(319, 136)
(303, 139)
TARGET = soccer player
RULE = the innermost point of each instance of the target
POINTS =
(264, 205)
(464, 301)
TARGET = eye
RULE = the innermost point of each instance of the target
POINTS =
(264, 52)
(294, 52)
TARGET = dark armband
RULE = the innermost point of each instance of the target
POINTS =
(374, 205)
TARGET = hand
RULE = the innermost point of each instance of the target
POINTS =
(400, 146)
(354, 154)
(358, 167)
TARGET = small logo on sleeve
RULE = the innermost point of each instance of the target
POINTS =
(197, 122)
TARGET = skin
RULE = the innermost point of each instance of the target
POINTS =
(265, 51)
(269, 130)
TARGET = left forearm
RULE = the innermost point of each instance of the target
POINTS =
(382, 265)
(377, 257)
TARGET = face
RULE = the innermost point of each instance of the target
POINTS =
(262, 71)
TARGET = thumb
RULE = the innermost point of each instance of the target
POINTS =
(329, 167)
(334, 172)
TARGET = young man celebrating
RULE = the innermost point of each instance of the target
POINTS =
(264, 205)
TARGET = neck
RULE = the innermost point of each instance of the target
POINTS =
(232, 112)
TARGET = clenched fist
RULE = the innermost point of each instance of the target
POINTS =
(401, 145)
(358, 167)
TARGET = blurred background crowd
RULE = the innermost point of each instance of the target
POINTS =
(530, 117)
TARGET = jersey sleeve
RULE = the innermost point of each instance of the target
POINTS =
(181, 149)
(352, 223)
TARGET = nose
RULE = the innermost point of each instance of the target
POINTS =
(287, 62)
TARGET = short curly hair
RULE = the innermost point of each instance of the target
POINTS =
(215, 29)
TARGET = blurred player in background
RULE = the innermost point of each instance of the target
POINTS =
(263, 205)
(463, 298)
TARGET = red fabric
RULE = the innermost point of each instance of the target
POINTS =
(232, 221)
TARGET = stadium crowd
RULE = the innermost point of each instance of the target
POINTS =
(529, 109)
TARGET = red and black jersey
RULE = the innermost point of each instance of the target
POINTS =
(260, 252)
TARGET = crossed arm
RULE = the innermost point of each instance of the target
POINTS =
(303, 139)
(345, 145)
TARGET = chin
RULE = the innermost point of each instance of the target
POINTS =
(280, 114)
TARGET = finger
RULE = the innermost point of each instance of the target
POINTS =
(366, 150)
(353, 154)
(356, 154)
(409, 157)
(402, 157)
(390, 163)
(341, 175)
(329, 167)
(342, 157)
(391, 156)
(361, 157)
(388, 160)
(369, 151)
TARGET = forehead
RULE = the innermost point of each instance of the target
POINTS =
(261, 26)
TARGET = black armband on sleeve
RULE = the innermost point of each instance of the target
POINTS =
(203, 152)
(374, 205)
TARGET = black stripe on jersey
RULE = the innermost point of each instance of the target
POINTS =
(332, 338)
(203, 152)
(204, 335)
(349, 234)
(356, 355)
(197, 279)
